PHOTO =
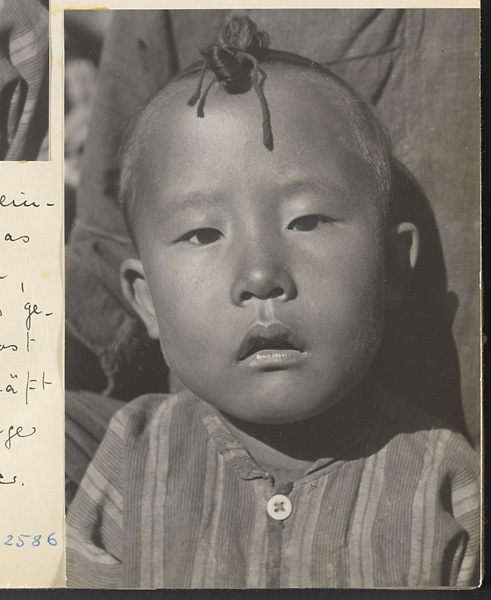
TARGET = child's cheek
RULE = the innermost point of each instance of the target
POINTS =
(186, 309)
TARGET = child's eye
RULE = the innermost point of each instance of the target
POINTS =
(309, 222)
(202, 237)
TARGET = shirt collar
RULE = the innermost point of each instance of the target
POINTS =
(349, 424)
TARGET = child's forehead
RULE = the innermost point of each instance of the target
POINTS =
(221, 158)
(298, 101)
(314, 140)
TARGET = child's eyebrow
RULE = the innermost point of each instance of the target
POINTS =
(193, 201)
(331, 190)
(190, 202)
(326, 194)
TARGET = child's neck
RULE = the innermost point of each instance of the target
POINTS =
(272, 458)
(300, 444)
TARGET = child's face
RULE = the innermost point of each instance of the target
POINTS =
(265, 269)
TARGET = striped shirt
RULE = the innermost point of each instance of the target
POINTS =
(173, 500)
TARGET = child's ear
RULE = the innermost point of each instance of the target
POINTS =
(401, 255)
(136, 292)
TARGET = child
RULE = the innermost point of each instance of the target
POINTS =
(270, 249)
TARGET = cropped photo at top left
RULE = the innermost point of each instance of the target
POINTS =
(24, 80)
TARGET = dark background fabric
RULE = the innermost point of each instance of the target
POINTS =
(421, 70)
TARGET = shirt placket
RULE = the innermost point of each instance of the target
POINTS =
(279, 507)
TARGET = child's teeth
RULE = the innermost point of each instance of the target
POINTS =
(269, 356)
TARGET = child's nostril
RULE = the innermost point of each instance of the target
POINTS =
(277, 292)
(274, 293)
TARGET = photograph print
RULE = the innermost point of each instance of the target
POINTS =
(272, 298)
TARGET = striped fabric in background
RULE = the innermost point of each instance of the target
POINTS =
(24, 79)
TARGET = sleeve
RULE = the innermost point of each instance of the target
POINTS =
(460, 494)
(466, 504)
(95, 519)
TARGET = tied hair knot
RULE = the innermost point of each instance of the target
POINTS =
(234, 63)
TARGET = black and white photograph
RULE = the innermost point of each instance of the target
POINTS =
(272, 300)
(24, 80)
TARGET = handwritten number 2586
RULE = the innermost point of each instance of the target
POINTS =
(36, 540)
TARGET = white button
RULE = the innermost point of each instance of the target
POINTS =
(279, 507)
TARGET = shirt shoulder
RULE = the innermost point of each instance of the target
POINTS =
(413, 434)
(447, 474)
(149, 417)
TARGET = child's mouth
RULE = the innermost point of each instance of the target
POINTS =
(271, 345)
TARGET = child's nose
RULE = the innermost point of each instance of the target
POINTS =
(264, 278)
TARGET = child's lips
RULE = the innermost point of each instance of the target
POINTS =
(270, 344)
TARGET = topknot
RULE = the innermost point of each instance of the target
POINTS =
(242, 33)
(234, 61)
